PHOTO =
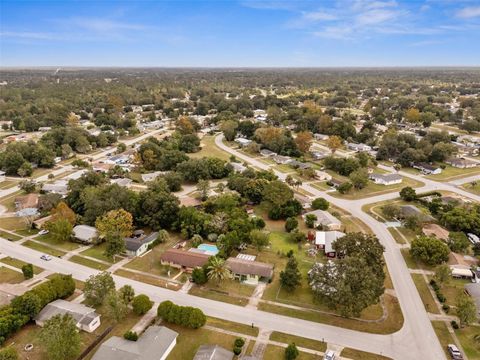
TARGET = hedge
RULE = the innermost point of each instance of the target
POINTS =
(25, 307)
(181, 315)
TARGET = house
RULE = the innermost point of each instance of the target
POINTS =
(427, 168)
(101, 167)
(267, 153)
(436, 231)
(358, 147)
(123, 182)
(323, 175)
(461, 163)
(44, 128)
(155, 343)
(474, 291)
(280, 159)
(299, 165)
(2, 176)
(85, 317)
(320, 137)
(388, 179)
(325, 219)
(237, 167)
(243, 142)
(412, 210)
(29, 201)
(318, 155)
(462, 272)
(138, 245)
(186, 260)
(152, 176)
(85, 234)
(324, 240)
(213, 352)
(58, 187)
(248, 271)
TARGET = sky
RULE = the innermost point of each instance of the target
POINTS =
(245, 33)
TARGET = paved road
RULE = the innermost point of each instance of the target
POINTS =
(417, 334)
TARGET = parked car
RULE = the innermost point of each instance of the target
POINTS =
(454, 352)
(46, 257)
(329, 355)
(43, 232)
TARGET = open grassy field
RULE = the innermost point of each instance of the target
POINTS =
(361, 355)
(62, 245)
(210, 149)
(42, 248)
(12, 223)
(189, 340)
(232, 326)
(10, 276)
(392, 323)
(451, 173)
(299, 341)
(373, 189)
(425, 294)
(98, 252)
(88, 262)
(473, 188)
(19, 263)
(148, 279)
(9, 236)
(230, 291)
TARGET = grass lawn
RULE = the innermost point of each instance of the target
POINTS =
(7, 184)
(210, 149)
(425, 294)
(42, 248)
(412, 264)
(9, 201)
(148, 279)
(230, 291)
(284, 168)
(98, 251)
(450, 173)
(396, 235)
(361, 355)
(453, 289)
(10, 276)
(392, 323)
(469, 344)
(232, 326)
(88, 262)
(19, 263)
(472, 188)
(66, 245)
(9, 236)
(27, 232)
(12, 223)
(321, 185)
(373, 189)
(299, 341)
(189, 340)
(443, 335)
(273, 352)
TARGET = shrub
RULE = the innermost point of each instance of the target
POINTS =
(446, 308)
(130, 335)
(239, 342)
(27, 271)
(440, 297)
(141, 304)
(454, 324)
(237, 350)
(181, 315)
(199, 276)
(320, 204)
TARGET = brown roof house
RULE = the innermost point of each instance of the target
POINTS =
(186, 260)
(248, 271)
(26, 201)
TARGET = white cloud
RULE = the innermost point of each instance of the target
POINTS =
(102, 25)
(319, 15)
(376, 16)
(28, 35)
(469, 12)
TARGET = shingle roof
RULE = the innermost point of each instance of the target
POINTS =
(213, 352)
(84, 232)
(188, 259)
(152, 345)
(324, 217)
(133, 244)
(246, 267)
(81, 313)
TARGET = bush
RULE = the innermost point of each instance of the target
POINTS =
(440, 297)
(454, 324)
(8, 353)
(199, 276)
(130, 335)
(237, 350)
(290, 224)
(181, 315)
(320, 204)
(141, 304)
(27, 271)
(239, 342)
(446, 308)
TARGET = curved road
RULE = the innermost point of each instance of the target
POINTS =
(417, 337)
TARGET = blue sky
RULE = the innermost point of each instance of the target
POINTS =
(240, 33)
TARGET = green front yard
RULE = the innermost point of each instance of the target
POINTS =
(470, 345)
(361, 355)
(65, 245)
(19, 263)
(98, 252)
(451, 173)
(443, 335)
(210, 149)
(299, 341)
(10, 276)
(230, 291)
(88, 262)
(273, 352)
(42, 248)
(424, 291)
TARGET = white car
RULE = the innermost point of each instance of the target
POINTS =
(329, 355)
(46, 257)
(43, 232)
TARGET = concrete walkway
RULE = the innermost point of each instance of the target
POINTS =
(146, 320)
(261, 343)
(257, 295)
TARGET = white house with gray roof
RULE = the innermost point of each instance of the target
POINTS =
(386, 179)
(324, 218)
(85, 234)
(86, 318)
(156, 343)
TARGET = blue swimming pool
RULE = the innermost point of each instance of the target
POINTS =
(208, 249)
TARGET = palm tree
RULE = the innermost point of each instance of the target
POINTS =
(217, 270)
